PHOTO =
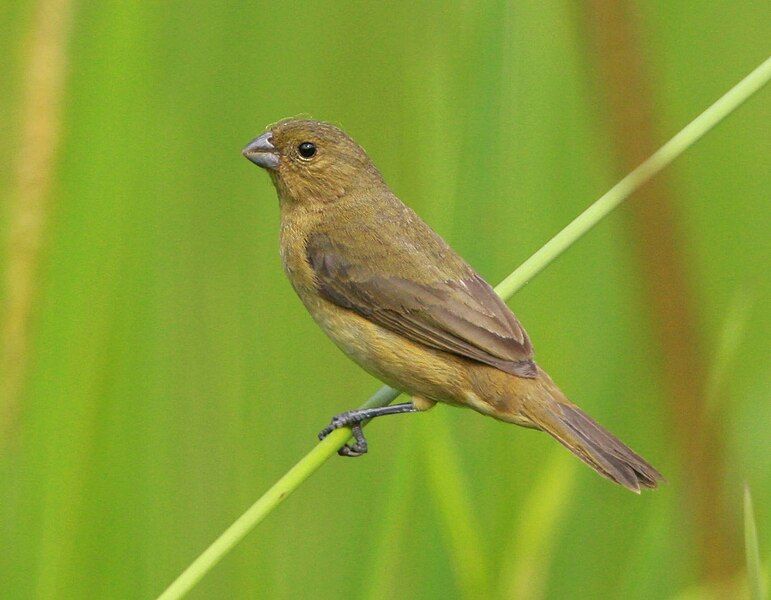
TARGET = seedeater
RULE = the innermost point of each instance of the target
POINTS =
(403, 305)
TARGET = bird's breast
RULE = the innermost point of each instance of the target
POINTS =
(293, 240)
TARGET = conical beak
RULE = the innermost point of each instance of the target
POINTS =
(262, 152)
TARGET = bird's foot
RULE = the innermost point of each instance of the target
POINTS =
(346, 419)
(354, 420)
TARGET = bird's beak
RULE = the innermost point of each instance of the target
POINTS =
(262, 152)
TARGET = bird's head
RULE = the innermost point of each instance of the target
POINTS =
(311, 161)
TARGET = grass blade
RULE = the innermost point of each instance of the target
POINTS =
(524, 575)
(450, 488)
(752, 550)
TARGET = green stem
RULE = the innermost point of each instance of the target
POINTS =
(688, 136)
(531, 267)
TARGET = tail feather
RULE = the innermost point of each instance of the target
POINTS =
(616, 461)
(598, 448)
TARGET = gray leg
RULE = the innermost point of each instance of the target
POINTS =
(354, 419)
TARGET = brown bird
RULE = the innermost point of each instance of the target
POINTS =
(402, 304)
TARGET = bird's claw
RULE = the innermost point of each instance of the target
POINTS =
(358, 447)
(337, 422)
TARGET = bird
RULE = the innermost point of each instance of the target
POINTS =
(400, 302)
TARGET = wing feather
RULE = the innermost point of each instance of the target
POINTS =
(462, 316)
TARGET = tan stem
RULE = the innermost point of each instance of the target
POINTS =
(625, 90)
(29, 201)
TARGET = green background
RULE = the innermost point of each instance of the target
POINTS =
(172, 375)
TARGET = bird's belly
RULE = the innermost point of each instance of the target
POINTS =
(393, 359)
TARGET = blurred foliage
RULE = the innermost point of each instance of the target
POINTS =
(172, 375)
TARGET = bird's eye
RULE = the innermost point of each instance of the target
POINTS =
(307, 149)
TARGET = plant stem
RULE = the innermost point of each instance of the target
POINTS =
(514, 282)
(688, 136)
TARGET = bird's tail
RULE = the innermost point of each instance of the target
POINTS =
(550, 411)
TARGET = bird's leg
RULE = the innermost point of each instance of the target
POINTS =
(354, 419)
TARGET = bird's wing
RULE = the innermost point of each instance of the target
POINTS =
(463, 316)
